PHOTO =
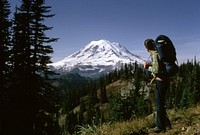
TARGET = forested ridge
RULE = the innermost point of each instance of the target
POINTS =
(36, 101)
(125, 94)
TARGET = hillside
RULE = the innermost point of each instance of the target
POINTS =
(184, 122)
(129, 99)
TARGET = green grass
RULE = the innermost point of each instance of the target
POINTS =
(185, 122)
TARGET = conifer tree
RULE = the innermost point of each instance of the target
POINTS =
(22, 91)
(41, 47)
(93, 91)
(33, 95)
(178, 93)
(115, 111)
(196, 81)
(103, 94)
(126, 70)
(5, 33)
(137, 80)
(116, 75)
(81, 112)
(187, 98)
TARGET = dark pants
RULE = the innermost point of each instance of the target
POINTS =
(161, 120)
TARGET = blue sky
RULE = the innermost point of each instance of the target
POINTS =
(129, 22)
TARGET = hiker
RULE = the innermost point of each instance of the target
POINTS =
(162, 84)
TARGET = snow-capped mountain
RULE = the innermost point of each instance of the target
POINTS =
(97, 57)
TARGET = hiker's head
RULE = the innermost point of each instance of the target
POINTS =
(149, 44)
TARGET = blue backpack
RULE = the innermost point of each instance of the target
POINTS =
(167, 53)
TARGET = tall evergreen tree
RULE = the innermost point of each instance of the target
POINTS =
(5, 33)
(41, 47)
(23, 91)
(32, 94)
(126, 70)
(103, 94)
(115, 111)
(137, 80)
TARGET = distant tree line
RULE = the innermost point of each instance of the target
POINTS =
(185, 88)
(28, 102)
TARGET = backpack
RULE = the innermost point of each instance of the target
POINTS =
(167, 53)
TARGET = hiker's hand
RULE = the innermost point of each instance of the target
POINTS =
(146, 65)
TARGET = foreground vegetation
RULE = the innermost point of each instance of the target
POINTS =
(184, 121)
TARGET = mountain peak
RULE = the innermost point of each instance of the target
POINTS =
(100, 45)
(96, 56)
(101, 41)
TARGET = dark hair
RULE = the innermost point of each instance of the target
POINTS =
(149, 44)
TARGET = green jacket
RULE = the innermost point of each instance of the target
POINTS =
(155, 67)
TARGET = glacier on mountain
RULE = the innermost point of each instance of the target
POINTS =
(97, 57)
